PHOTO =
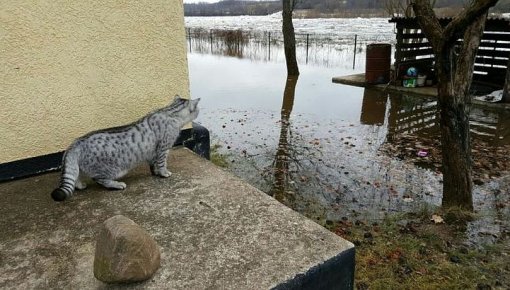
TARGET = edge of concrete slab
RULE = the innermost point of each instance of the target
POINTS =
(358, 80)
(214, 231)
(336, 273)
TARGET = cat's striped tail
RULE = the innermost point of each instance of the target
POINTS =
(70, 173)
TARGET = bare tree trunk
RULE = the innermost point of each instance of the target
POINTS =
(454, 80)
(289, 38)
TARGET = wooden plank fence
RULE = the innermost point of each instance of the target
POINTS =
(492, 58)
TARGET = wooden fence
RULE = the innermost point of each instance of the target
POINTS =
(413, 48)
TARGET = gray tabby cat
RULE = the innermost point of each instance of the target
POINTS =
(108, 154)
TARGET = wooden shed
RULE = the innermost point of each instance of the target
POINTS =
(413, 49)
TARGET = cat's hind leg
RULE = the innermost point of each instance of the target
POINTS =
(111, 184)
(158, 168)
(106, 177)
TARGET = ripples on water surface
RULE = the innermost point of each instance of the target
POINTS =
(324, 149)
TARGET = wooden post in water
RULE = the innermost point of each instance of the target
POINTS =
(269, 44)
(355, 47)
(307, 38)
(189, 38)
(210, 36)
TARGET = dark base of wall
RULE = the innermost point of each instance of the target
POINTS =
(196, 139)
(31, 166)
(336, 273)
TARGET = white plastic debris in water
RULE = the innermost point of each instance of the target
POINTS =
(408, 199)
(493, 97)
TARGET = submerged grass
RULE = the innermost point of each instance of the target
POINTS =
(411, 252)
(217, 158)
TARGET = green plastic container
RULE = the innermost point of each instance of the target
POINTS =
(409, 83)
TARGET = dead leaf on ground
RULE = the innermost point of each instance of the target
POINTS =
(437, 219)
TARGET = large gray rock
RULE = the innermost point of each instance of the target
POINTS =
(125, 252)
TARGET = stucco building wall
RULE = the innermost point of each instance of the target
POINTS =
(69, 67)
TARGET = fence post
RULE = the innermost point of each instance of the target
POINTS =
(307, 39)
(355, 47)
(189, 38)
(210, 36)
(269, 44)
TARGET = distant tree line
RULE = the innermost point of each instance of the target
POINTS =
(242, 7)
(328, 6)
(232, 8)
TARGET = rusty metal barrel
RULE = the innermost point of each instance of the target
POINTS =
(378, 63)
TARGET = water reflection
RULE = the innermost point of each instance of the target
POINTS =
(222, 42)
(373, 110)
(410, 115)
(330, 151)
(413, 125)
(331, 169)
(281, 162)
(491, 125)
(316, 49)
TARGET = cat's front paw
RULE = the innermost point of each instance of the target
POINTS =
(111, 184)
(121, 186)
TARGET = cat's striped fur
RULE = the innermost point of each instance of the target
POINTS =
(108, 154)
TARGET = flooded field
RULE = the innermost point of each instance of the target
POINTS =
(332, 151)
(322, 42)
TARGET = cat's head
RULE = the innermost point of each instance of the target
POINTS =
(189, 109)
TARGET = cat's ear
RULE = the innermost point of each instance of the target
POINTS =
(176, 99)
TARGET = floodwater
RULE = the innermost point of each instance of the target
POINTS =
(328, 150)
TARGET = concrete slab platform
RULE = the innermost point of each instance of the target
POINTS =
(215, 232)
(358, 80)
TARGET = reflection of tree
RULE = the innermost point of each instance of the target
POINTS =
(281, 162)
(299, 167)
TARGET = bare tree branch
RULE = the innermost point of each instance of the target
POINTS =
(475, 10)
(429, 23)
(442, 37)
